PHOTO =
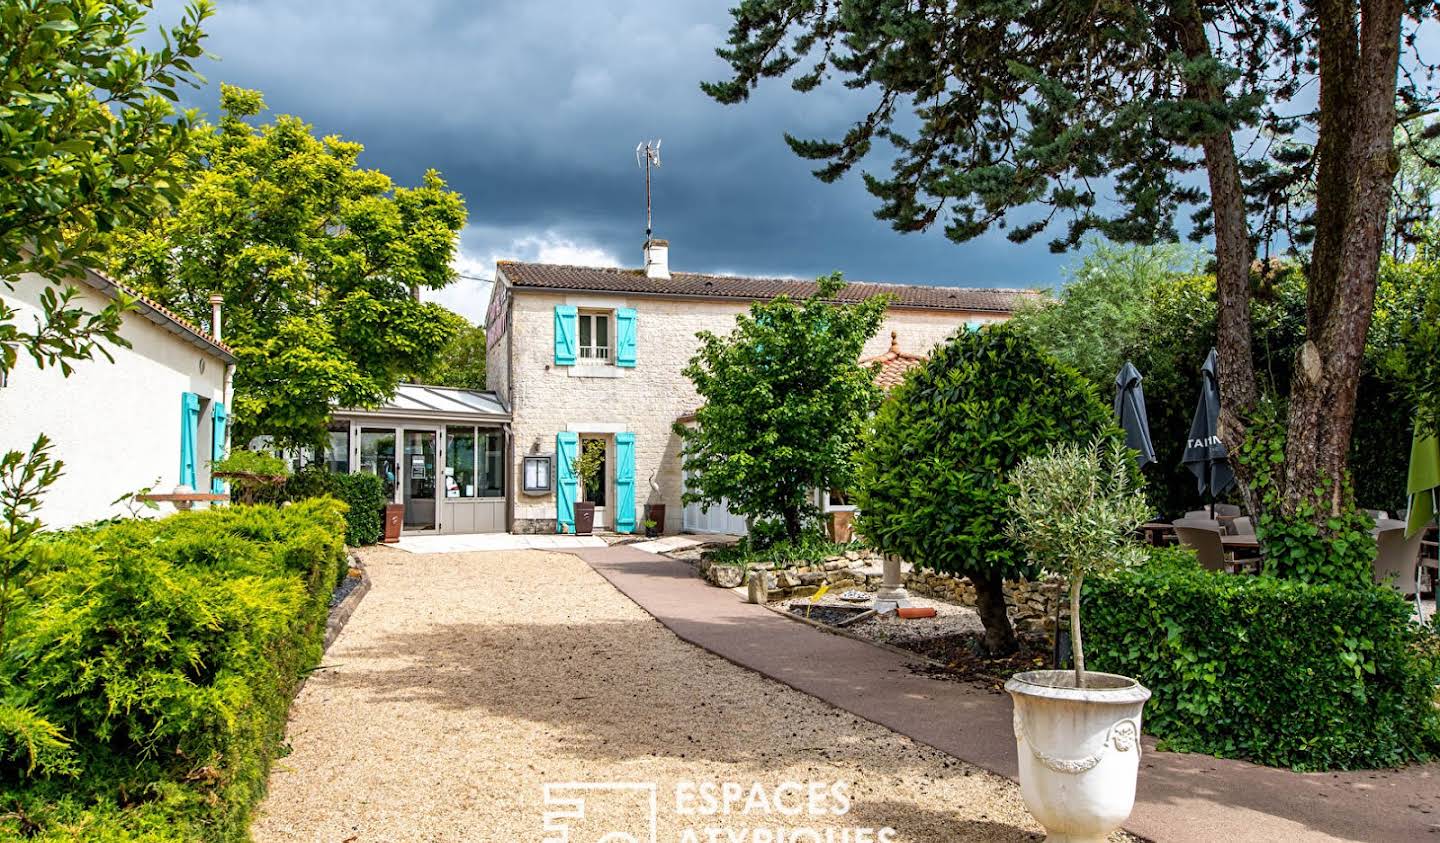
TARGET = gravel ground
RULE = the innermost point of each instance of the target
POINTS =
(463, 683)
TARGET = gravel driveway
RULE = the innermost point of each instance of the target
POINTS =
(466, 682)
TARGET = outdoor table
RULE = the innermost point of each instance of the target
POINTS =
(1157, 533)
(1240, 542)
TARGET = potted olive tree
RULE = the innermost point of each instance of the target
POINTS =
(1075, 511)
(587, 470)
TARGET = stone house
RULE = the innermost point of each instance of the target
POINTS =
(579, 353)
(154, 417)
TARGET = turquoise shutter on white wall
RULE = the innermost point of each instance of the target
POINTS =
(567, 485)
(625, 337)
(217, 445)
(189, 432)
(624, 482)
(567, 334)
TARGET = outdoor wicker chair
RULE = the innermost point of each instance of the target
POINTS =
(1206, 542)
(1398, 559)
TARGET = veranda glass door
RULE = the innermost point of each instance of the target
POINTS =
(418, 471)
(377, 456)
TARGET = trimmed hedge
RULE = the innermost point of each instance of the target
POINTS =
(363, 494)
(167, 652)
(1280, 672)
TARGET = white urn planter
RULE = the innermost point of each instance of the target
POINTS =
(1079, 750)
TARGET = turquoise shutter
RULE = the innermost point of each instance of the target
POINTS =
(189, 430)
(567, 334)
(625, 337)
(217, 445)
(624, 482)
(567, 485)
(972, 326)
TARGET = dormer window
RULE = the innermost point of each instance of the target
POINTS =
(595, 343)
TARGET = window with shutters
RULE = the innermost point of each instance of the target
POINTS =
(595, 342)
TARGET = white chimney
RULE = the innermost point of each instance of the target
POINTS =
(657, 258)
(215, 302)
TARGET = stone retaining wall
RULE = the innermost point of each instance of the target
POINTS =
(1030, 604)
(847, 571)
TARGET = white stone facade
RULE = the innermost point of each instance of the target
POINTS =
(115, 425)
(602, 400)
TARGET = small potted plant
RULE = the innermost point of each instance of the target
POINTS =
(1076, 509)
(587, 469)
(254, 474)
(651, 530)
(655, 512)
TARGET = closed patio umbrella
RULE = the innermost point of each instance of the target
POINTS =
(1423, 484)
(1205, 454)
(1130, 412)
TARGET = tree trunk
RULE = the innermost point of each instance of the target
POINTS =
(1077, 648)
(1233, 252)
(791, 517)
(1353, 194)
(990, 604)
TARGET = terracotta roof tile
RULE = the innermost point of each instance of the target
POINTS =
(156, 311)
(697, 285)
(893, 364)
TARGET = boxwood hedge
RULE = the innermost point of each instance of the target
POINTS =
(1280, 672)
(166, 652)
(363, 495)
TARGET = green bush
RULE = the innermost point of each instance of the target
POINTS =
(933, 474)
(364, 494)
(766, 544)
(1292, 543)
(166, 653)
(1280, 672)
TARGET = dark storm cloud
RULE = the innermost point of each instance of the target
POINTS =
(533, 110)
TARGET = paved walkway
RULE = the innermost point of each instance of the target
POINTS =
(1181, 797)
(466, 683)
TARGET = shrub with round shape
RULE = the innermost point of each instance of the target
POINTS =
(933, 472)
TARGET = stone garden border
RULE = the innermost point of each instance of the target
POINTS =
(341, 612)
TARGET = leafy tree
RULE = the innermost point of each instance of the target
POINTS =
(933, 478)
(1014, 115)
(1105, 311)
(319, 263)
(461, 363)
(785, 400)
(1076, 511)
(1416, 195)
(1114, 309)
(88, 141)
(1413, 360)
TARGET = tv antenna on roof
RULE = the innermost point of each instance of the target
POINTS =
(646, 154)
